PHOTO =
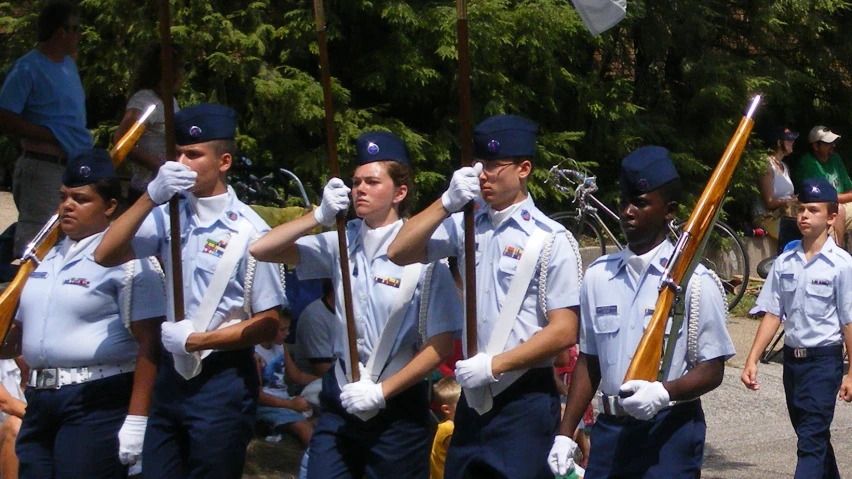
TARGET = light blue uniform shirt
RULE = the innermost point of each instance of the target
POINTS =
(72, 313)
(498, 252)
(815, 296)
(375, 287)
(202, 248)
(49, 94)
(614, 313)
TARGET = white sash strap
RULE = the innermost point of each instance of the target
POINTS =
(189, 366)
(481, 398)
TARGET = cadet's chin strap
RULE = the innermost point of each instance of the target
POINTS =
(692, 324)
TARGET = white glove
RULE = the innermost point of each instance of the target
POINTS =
(475, 372)
(130, 438)
(561, 457)
(464, 187)
(362, 396)
(335, 198)
(647, 399)
(173, 177)
(175, 334)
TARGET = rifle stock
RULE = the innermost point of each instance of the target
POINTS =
(12, 294)
(646, 360)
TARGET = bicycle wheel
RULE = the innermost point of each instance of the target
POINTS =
(725, 255)
(587, 234)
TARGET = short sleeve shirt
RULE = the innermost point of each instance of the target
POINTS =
(49, 94)
(814, 296)
(614, 312)
(72, 309)
(315, 335)
(832, 170)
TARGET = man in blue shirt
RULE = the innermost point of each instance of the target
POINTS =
(42, 103)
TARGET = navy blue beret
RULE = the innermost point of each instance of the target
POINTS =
(645, 170)
(504, 136)
(380, 146)
(817, 190)
(88, 166)
(203, 123)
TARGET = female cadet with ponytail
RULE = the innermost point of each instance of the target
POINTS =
(377, 426)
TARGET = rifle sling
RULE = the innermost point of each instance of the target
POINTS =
(678, 309)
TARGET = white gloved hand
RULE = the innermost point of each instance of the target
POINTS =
(335, 198)
(362, 396)
(475, 372)
(174, 335)
(647, 398)
(561, 457)
(130, 438)
(464, 187)
(172, 178)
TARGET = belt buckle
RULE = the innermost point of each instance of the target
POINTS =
(47, 378)
(800, 353)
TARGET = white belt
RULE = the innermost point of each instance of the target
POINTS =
(55, 378)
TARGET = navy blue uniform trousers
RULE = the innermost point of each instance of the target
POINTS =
(200, 428)
(669, 446)
(511, 440)
(811, 386)
(72, 432)
(393, 444)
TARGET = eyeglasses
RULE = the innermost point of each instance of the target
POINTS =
(492, 168)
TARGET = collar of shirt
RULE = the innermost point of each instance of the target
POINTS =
(523, 216)
(376, 240)
(827, 252)
(73, 250)
(658, 262)
(229, 216)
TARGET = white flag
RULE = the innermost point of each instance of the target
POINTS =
(600, 15)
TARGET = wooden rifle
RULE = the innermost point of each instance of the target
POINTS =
(49, 233)
(687, 252)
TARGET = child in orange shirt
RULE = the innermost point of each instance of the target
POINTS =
(447, 392)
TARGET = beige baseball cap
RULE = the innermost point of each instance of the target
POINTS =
(823, 134)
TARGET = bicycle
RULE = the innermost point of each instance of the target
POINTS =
(724, 253)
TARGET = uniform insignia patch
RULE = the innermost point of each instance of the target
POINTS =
(525, 215)
(372, 148)
(649, 311)
(194, 131)
(38, 274)
(85, 171)
(216, 248)
(612, 309)
(512, 252)
(493, 146)
(77, 282)
(664, 262)
(232, 216)
(392, 282)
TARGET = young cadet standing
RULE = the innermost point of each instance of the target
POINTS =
(810, 284)
(406, 320)
(91, 336)
(658, 431)
(205, 397)
(527, 295)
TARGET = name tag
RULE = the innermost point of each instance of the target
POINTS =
(77, 282)
(649, 311)
(787, 275)
(821, 282)
(392, 282)
(38, 274)
(512, 252)
(216, 248)
(604, 310)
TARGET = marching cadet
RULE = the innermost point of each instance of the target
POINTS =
(205, 396)
(810, 285)
(527, 269)
(645, 429)
(91, 336)
(406, 319)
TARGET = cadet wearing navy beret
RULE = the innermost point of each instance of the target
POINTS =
(509, 409)
(810, 285)
(208, 385)
(407, 318)
(90, 337)
(618, 297)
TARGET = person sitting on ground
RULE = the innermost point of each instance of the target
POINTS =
(315, 334)
(447, 393)
(775, 211)
(275, 405)
(823, 162)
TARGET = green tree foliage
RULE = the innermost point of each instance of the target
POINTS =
(677, 73)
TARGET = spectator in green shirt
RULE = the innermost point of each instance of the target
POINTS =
(823, 162)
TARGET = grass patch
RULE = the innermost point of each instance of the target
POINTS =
(747, 302)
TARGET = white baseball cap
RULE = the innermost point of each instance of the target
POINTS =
(823, 134)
